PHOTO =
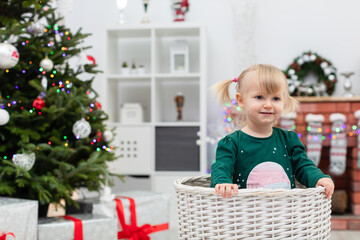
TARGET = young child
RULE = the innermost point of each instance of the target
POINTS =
(260, 155)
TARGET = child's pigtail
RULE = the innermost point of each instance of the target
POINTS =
(221, 90)
(292, 105)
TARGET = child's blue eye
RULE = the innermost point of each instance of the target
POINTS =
(259, 97)
(276, 99)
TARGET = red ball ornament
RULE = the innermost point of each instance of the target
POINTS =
(99, 136)
(98, 105)
(38, 103)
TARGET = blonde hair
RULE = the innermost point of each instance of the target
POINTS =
(270, 80)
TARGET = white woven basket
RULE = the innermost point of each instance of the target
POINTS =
(252, 213)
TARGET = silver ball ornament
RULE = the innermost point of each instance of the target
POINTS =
(36, 28)
(82, 128)
(24, 160)
(108, 135)
(47, 64)
(9, 56)
(4, 117)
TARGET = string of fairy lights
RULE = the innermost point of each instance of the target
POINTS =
(63, 86)
(348, 130)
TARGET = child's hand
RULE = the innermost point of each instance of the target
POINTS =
(226, 189)
(328, 184)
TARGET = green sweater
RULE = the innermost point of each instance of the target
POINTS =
(269, 162)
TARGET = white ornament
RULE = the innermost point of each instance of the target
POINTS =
(9, 55)
(4, 117)
(36, 28)
(291, 72)
(312, 57)
(306, 58)
(58, 38)
(331, 77)
(24, 160)
(44, 82)
(82, 128)
(327, 71)
(324, 65)
(108, 136)
(294, 77)
(47, 64)
(300, 61)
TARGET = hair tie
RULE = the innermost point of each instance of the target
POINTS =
(235, 80)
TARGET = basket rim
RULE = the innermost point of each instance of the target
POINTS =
(179, 186)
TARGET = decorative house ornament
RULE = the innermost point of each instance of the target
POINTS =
(131, 113)
(299, 69)
(179, 57)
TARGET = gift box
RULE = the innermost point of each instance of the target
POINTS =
(139, 214)
(20, 217)
(77, 227)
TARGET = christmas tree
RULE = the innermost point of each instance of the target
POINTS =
(52, 133)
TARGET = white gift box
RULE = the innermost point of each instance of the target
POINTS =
(19, 216)
(94, 227)
(131, 113)
(151, 208)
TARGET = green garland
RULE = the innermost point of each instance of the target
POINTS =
(300, 68)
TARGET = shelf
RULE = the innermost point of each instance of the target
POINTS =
(118, 124)
(139, 31)
(328, 99)
(138, 91)
(120, 77)
(177, 124)
(160, 135)
(177, 75)
(165, 92)
(128, 46)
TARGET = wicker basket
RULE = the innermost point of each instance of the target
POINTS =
(252, 213)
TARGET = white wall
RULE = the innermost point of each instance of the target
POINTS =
(282, 30)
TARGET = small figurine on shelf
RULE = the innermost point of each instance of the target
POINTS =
(125, 68)
(141, 69)
(179, 100)
(133, 68)
(347, 84)
(121, 5)
(180, 7)
(146, 15)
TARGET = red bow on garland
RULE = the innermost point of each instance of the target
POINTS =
(3, 237)
(132, 231)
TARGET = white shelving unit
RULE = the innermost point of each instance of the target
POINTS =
(160, 149)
